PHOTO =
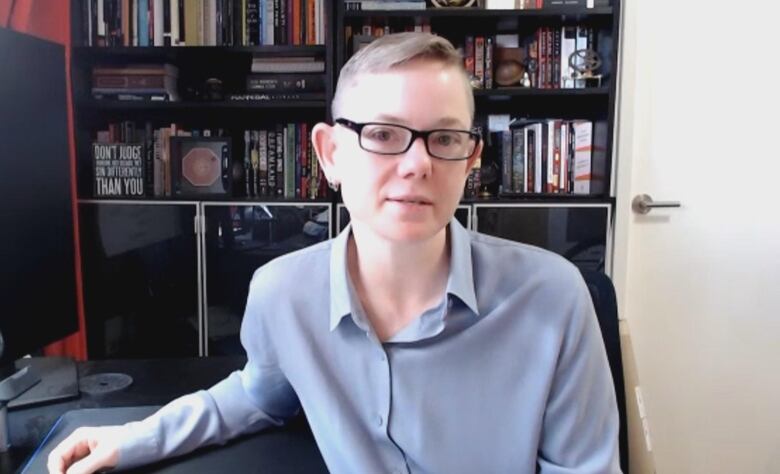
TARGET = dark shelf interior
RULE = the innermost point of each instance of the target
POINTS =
(469, 13)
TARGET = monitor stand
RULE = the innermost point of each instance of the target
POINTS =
(34, 381)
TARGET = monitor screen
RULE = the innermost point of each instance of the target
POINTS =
(37, 263)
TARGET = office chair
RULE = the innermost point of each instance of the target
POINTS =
(602, 291)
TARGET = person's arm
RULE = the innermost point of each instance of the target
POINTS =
(248, 400)
(580, 430)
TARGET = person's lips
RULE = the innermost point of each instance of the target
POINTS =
(411, 199)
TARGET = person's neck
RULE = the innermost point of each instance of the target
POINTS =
(396, 282)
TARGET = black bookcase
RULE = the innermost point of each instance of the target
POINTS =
(148, 289)
(577, 226)
(596, 104)
(559, 220)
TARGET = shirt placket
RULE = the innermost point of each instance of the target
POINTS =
(382, 416)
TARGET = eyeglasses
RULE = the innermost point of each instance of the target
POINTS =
(391, 139)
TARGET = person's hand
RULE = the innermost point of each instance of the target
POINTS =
(86, 450)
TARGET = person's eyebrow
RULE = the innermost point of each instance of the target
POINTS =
(441, 123)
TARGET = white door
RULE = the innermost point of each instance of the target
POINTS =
(699, 286)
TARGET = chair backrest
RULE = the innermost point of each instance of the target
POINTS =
(602, 291)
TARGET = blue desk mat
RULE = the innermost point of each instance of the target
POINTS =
(276, 451)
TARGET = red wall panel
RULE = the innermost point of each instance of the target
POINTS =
(50, 19)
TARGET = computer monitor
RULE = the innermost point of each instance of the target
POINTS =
(37, 251)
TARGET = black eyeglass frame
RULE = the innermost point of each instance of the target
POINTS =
(358, 129)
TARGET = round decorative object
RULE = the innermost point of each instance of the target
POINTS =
(99, 384)
(585, 62)
(452, 3)
(508, 73)
(200, 167)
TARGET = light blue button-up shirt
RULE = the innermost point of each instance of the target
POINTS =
(506, 374)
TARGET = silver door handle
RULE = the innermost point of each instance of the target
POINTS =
(642, 204)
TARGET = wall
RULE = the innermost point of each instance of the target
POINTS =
(50, 19)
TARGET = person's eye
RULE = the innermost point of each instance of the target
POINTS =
(382, 134)
(447, 139)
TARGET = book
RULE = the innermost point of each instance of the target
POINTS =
(136, 69)
(285, 82)
(388, 5)
(288, 66)
(131, 81)
(260, 97)
(119, 170)
(583, 149)
(129, 96)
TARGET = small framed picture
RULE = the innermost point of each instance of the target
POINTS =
(200, 166)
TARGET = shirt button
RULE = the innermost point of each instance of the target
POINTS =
(382, 357)
(379, 420)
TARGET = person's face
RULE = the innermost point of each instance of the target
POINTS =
(410, 196)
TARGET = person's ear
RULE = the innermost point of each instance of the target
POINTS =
(324, 140)
(474, 157)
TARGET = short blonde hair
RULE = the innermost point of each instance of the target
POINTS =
(393, 50)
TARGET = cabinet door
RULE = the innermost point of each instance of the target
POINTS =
(140, 279)
(576, 231)
(462, 213)
(239, 239)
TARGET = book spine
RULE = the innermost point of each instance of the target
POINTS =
(174, 15)
(296, 23)
(166, 23)
(157, 23)
(488, 62)
(528, 160)
(134, 22)
(557, 71)
(265, 146)
(518, 160)
(468, 56)
(583, 149)
(268, 22)
(142, 15)
(289, 160)
(125, 32)
(314, 181)
(158, 163)
(285, 83)
(506, 161)
(248, 171)
(539, 169)
(218, 22)
(252, 23)
(300, 166)
(564, 182)
(148, 159)
(271, 168)
(311, 27)
(479, 61)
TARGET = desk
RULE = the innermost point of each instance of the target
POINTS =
(155, 382)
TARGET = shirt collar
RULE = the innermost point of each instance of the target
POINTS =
(460, 281)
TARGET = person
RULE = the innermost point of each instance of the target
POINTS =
(411, 344)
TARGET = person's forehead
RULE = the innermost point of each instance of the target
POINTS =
(431, 91)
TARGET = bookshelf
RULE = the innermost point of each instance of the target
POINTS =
(185, 259)
(595, 103)
(576, 225)
(165, 274)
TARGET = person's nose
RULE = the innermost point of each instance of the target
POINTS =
(416, 162)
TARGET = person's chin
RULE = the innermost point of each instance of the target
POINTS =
(409, 231)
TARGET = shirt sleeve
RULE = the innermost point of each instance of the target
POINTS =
(580, 428)
(248, 400)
